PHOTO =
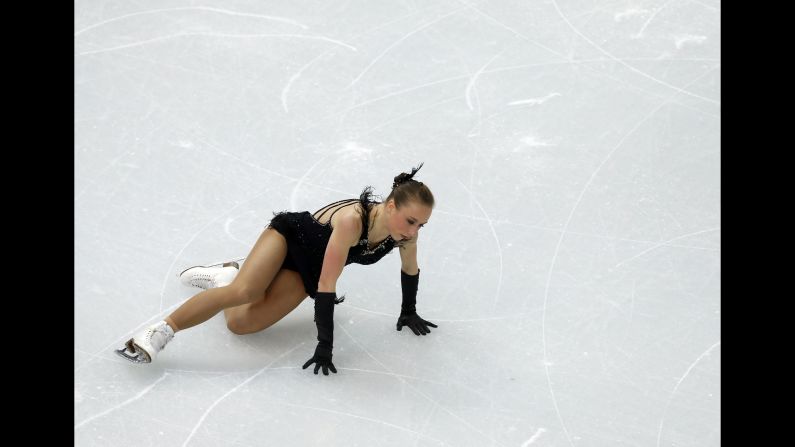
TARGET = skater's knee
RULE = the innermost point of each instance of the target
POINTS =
(242, 294)
(238, 326)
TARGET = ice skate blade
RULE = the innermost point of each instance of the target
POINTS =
(131, 352)
(223, 264)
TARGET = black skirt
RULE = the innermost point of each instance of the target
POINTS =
(306, 245)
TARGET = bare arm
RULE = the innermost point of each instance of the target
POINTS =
(344, 235)
(408, 257)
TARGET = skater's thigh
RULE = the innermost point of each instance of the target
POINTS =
(262, 263)
(285, 293)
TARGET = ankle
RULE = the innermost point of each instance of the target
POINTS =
(171, 324)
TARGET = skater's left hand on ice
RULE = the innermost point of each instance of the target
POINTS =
(415, 323)
(408, 307)
(322, 358)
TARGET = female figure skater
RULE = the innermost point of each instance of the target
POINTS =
(300, 255)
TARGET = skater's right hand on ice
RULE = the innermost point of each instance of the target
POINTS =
(324, 319)
(322, 358)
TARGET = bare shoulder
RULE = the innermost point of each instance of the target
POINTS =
(347, 225)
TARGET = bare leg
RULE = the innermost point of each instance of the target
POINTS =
(285, 293)
(250, 284)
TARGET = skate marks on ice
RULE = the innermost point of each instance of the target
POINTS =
(469, 80)
(126, 402)
(535, 437)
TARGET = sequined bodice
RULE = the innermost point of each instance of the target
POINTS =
(307, 236)
(360, 253)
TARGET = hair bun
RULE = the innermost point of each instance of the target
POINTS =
(404, 177)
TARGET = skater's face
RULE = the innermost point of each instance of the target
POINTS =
(405, 222)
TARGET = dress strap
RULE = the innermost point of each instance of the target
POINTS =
(330, 206)
(343, 206)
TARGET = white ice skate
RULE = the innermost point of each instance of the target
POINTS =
(145, 345)
(209, 277)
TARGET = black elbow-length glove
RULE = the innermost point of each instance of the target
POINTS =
(408, 310)
(324, 319)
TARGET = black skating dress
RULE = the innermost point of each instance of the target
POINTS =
(307, 239)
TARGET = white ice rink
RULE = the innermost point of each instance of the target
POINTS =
(572, 261)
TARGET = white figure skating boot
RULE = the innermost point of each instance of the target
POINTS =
(209, 277)
(145, 345)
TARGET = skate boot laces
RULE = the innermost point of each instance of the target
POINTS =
(158, 336)
(208, 277)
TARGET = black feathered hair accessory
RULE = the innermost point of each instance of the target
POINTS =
(403, 177)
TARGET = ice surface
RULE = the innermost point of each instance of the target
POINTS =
(572, 262)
